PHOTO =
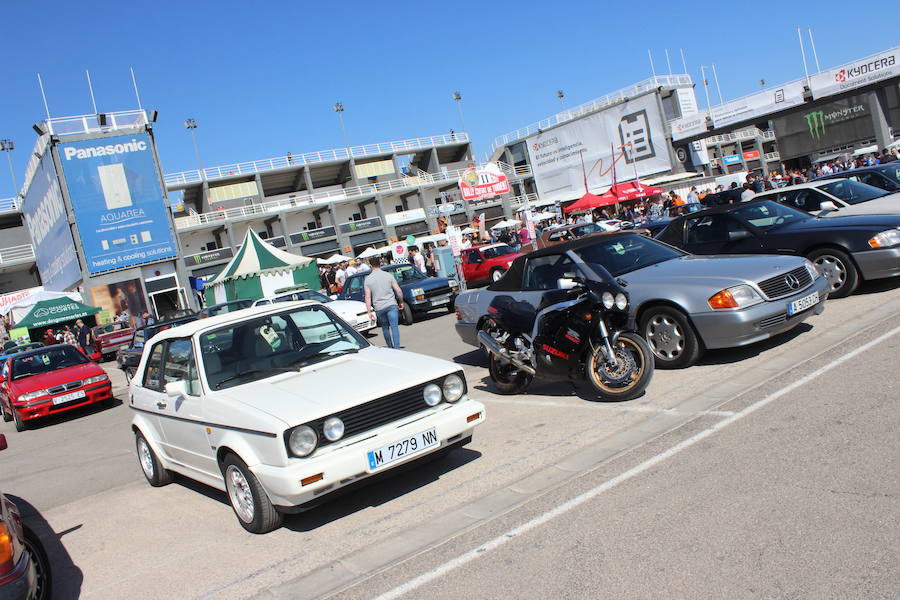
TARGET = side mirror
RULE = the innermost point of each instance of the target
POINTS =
(828, 205)
(568, 283)
(2, 442)
(741, 234)
(176, 389)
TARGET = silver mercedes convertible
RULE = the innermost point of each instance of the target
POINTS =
(682, 304)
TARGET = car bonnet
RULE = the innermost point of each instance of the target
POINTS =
(718, 270)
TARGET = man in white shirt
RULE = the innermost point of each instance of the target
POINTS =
(417, 259)
(352, 269)
(340, 276)
(748, 193)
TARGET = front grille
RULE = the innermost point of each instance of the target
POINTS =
(777, 287)
(771, 321)
(66, 387)
(379, 412)
(441, 291)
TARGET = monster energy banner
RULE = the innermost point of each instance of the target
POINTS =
(824, 127)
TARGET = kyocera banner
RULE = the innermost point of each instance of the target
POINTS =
(634, 127)
(45, 216)
(853, 75)
(117, 198)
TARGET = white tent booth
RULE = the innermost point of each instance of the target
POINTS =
(259, 270)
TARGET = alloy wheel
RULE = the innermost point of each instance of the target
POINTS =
(146, 458)
(833, 269)
(239, 493)
(665, 337)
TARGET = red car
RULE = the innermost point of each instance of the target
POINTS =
(487, 263)
(112, 337)
(48, 381)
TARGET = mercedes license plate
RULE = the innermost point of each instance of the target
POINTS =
(402, 448)
(437, 301)
(69, 397)
(803, 303)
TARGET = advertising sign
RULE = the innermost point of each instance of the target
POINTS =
(487, 182)
(753, 155)
(209, 256)
(445, 209)
(125, 296)
(453, 239)
(758, 104)
(45, 217)
(312, 234)
(360, 225)
(731, 160)
(635, 130)
(688, 126)
(399, 251)
(856, 74)
(7, 299)
(117, 197)
(406, 216)
(829, 125)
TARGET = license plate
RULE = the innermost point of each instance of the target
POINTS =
(803, 303)
(69, 397)
(440, 300)
(402, 448)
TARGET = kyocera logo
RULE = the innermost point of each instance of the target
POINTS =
(540, 145)
(869, 67)
(110, 149)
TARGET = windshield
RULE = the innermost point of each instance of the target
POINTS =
(853, 192)
(623, 254)
(891, 171)
(496, 251)
(406, 273)
(303, 295)
(287, 341)
(46, 361)
(586, 229)
(767, 214)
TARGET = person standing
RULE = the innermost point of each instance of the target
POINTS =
(340, 276)
(69, 337)
(748, 192)
(384, 301)
(49, 338)
(85, 338)
(693, 197)
(418, 261)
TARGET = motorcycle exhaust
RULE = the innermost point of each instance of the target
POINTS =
(491, 345)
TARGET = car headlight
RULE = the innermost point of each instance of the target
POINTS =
(29, 396)
(432, 394)
(333, 429)
(608, 300)
(738, 296)
(891, 237)
(419, 293)
(811, 268)
(96, 379)
(453, 388)
(302, 441)
(453, 283)
(621, 301)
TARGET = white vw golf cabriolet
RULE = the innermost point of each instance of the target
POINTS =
(278, 405)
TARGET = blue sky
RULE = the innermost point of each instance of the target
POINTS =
(261, 77)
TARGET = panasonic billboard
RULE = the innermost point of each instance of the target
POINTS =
(48, 226)
(118, 201)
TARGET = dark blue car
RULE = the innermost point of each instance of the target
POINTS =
(420, 292)
(885, 177)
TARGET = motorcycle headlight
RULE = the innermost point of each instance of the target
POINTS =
(453, 388)
(608, 300)
(333, 429)
(302, 441)
(738, 296)
(621, 301)
(885, 239)
(96, 379)
(432, 394)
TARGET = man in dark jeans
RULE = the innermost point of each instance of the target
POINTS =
(384, 300)
(85, 337)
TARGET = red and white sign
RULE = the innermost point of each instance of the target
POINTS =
(453, 238)
(7, 299)
(751, 155)
(400, 251)
(486, 182)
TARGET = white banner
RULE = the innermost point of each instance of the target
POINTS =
(688, 126)
(856, 74)
(758, 104)
(556, 155)
(406, 216)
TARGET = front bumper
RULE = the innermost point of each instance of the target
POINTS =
(434, 302)
(730, 328)
(36, 409)
(347, 463)
(878, 263)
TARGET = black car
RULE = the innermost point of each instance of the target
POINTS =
(420, 292)
(886, 176)
(129, 358)
(844, 249)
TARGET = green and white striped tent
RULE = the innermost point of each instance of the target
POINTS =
(257, 270)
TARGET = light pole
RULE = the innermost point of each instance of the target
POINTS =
(191, 125)
(458, 97)
(8, 146)
(338, 107)
(560, 95)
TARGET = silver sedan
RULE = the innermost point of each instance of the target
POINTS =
(683, 304)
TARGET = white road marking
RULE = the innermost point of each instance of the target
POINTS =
(608, 406)
(577, 501)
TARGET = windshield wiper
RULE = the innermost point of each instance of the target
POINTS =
(250, 372)
(318, 356)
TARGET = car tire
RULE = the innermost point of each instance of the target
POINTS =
(838, 268)
(496, 274)
(6, 416)
(21, 424)
(251, 504)
(671, 337)
(156, 475)
(43, 576)
(406, 315)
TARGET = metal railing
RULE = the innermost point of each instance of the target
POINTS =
(16, 253)
(592, 106)
(519, 201)
(293, 160)
(742, 134)
(9, 204)
(80, 124)
(772, 156)
(316, 199)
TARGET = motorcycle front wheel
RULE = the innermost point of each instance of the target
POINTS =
(629, 376)
(507, 378)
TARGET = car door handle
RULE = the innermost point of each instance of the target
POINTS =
(161, 404)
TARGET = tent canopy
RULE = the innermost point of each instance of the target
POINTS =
(506, 223)
(621, 192)
(334, 259)
(58, 310)
(589, 201)
(255, 257)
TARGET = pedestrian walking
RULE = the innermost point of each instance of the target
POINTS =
(85, 337)
(384, 301)
(417, 260)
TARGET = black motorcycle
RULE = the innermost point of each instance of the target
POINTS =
(583, 330)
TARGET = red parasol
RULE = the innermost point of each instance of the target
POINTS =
(620, 192)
